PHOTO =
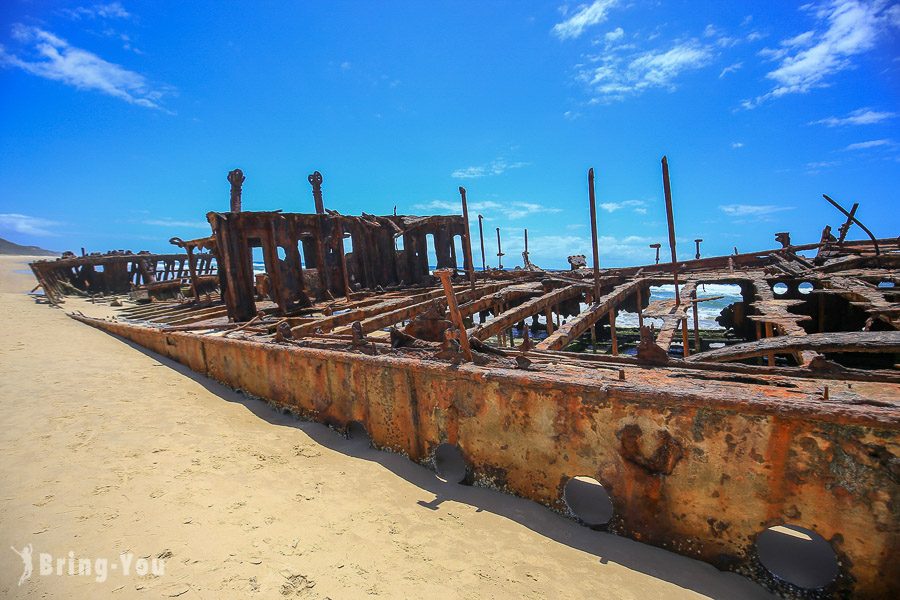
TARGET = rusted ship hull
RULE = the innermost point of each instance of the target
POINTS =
(699, 463)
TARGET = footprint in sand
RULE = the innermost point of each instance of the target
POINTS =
(296, 584)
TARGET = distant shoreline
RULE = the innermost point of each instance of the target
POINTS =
(9, 248)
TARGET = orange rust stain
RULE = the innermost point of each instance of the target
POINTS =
(777, 453)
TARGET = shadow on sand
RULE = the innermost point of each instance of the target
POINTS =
(656, 562)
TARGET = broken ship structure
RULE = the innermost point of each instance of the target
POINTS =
(786, 435)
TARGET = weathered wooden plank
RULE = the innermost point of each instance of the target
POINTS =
(677, 314)
(365, 312)
(842, 341)
(386, 319)
(581, 323)
(508, 318)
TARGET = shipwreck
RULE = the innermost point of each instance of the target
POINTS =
(785, 434)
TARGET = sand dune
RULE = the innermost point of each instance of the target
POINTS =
(106, 449)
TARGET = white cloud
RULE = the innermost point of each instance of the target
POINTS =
(868, 144)
(614, 35)
(808, 60)
(111, 10)
(751, 210)
(345, 66)
(860, 116)
(166, 222)
(787, 46)
(737, 145)
(507, 210)
(815, 167)
(612, 207)
(495, 167)
(53, 58)
(585, 17)
(617, 77)
(26, 224)
(730, 69)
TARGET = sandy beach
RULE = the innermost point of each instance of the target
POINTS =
(107, 449)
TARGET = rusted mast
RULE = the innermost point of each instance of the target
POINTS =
(671, 219)
(640, 306)
(499, 251)
(481, 237)
(455, 315)
(236, 179)
(315, 180)
(467, 243)
(594, 234)
(694, 301)
(525, 254)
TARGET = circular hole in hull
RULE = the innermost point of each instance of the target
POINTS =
(780, 289)
(450, 463)
(797, 555)
(588, 500)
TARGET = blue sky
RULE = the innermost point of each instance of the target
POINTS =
(120, 120)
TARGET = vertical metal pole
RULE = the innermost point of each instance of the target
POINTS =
(499, 251)
(594, 234)
(640, 307)
(316, 181)
(236, 179)
(684, 337)
(481, 237)
(467, 242)
(770, 333)
(696, 323)
(525, 254)
(612, 331)
(671, 219)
